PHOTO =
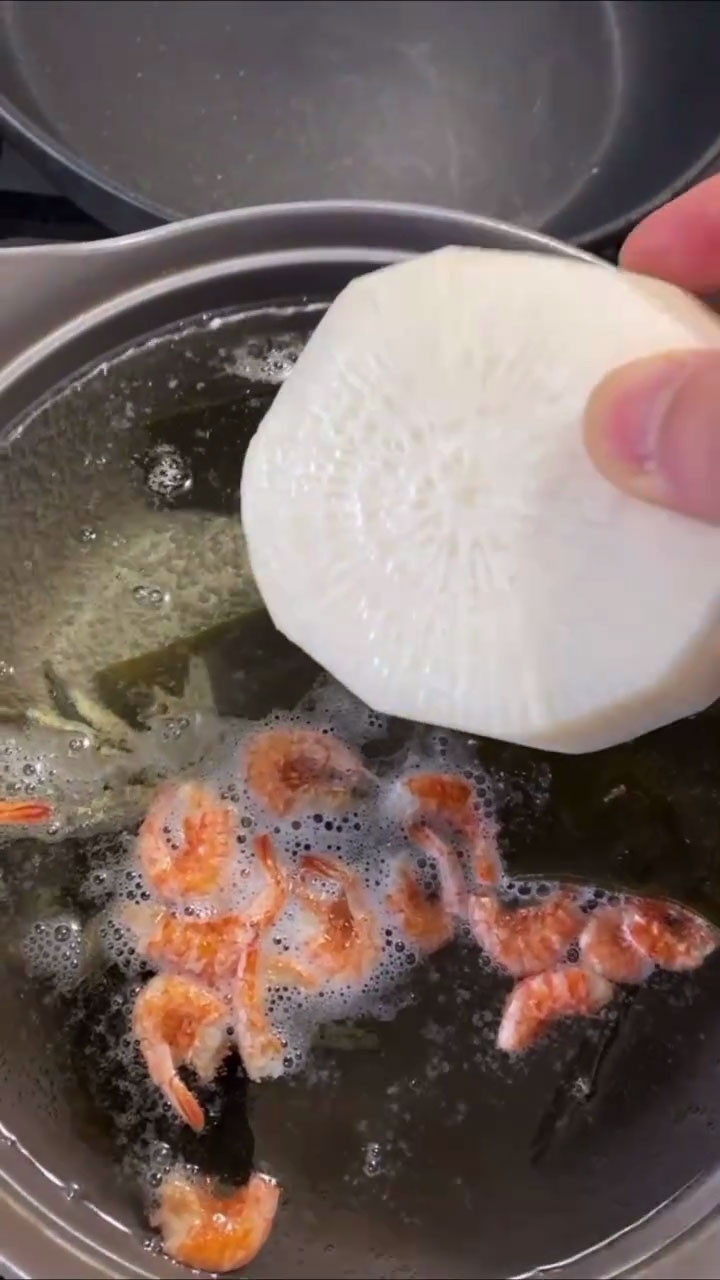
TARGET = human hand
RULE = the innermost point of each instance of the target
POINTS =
(653, 426)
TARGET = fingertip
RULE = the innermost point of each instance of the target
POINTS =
(652, 428)
(622, 420)
(680, 242)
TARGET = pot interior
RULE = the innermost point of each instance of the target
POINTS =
(409, 1145)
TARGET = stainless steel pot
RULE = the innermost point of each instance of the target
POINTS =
(66, 308)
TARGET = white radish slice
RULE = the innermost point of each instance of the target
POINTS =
(422, 517)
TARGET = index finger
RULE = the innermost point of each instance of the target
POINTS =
(681, 241)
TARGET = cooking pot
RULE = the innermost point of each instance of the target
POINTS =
(67, 312)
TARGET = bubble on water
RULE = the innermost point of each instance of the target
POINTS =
(174, 727)
(154, 597)
(167, 473)
(356, 846)
(53, 950)
(372, 1159)
(268, 359)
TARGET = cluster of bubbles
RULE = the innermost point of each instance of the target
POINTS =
(364, 843)
(54, 949)
(267, 360)
(167, 472)
(368, 840)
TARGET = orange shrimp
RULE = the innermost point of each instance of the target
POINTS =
(261, 1050)
(270, 902)
(347, 946)
(207, 1230)
(20, 812)
(529, 939)
(606, 948)
(450, 801)
(210, 949)
(425, 922)
(206, 949)
(452, 881)
(537, 1001)
(670, 936)
(196, 865)
(176, 1020)
(290, 770)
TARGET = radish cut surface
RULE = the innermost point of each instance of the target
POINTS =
(422, 517)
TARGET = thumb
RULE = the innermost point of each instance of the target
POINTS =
(653, 428)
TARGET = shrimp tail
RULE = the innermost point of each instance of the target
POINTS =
(186, 1104)
(162, 1071)
(260, 1048)
(271, 902)
(486, 860)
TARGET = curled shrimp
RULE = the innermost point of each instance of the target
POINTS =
(22, 812)
(449, 801)
(606, 948)
(346, 945)
(529, 939)
(175, 1020)
(210, 948)
(211, 1231)
(206, 949)
(670, 936)
(261, 1049)
(452, 881)
(424, 921)
(196, 865)
(538, 1001)
(290, 770)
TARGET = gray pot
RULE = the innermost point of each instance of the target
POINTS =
(65, 308)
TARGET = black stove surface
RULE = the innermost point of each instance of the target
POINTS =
(32, 211)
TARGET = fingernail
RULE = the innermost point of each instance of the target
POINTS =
(636, 403)
(654, 429)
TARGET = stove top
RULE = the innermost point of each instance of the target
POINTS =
(32, 211)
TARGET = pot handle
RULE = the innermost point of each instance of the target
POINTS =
(44, 287)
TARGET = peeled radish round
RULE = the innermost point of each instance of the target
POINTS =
(422, 517)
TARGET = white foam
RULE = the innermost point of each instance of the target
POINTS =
(268, 360)
(367, 838)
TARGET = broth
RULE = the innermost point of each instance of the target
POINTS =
(413, 1123)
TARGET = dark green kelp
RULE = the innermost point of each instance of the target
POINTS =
(644, 816)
